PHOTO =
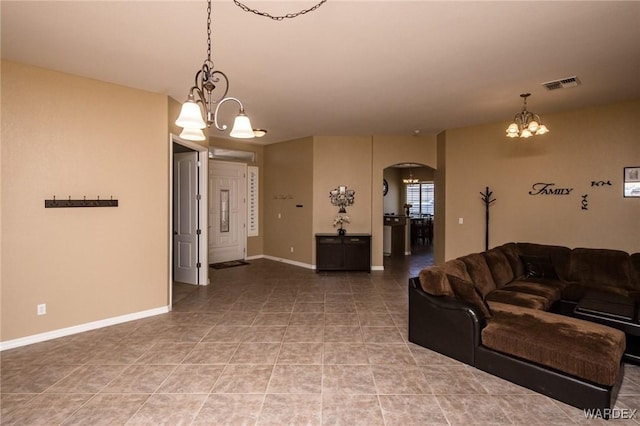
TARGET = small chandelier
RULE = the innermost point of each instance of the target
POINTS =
(342, 197)
(210, 90)
(410, 179)
(526, 124)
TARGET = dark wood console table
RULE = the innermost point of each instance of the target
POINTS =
(351, 252)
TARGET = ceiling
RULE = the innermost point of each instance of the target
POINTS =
(350, 67)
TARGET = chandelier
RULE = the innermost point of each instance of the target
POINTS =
(210, 92)
(211, 87)
(526, 124)
(410, 179)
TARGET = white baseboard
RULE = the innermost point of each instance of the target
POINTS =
(54, 334)
(290, 262)
(300, 264)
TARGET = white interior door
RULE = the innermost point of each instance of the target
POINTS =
(227, 211)
(185, 217)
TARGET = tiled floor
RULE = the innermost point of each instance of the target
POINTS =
(270, 344)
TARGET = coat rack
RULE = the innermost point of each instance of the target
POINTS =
(487, 200)
(49, 204)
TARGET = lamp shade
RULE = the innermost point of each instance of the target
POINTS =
(192, 134)
(242, 127)
(191, 116)
(513, 129)
(542, 130)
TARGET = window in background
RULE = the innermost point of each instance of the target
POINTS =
(420, 196)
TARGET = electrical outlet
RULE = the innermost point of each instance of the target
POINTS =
(42, 309)
(291, 249)
(460, 221)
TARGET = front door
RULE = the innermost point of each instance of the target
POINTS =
(227, 211)
(185, 218)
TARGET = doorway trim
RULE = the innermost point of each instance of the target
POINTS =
(203, 158)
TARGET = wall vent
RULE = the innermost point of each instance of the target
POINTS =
(231, 154)
(562, 83)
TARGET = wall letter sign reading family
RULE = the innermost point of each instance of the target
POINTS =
(541, 188)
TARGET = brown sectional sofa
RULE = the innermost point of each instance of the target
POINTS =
(502, 311)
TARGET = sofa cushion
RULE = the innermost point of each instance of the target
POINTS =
(560, 256)
(456, 268)
(525, 300)
(576, 291)
(512, 253)
(434, 281)
(549, 292)
(499, 266)
(538, 266)
(602, 267)
(466, 292)
(479, 272)
(583, 349)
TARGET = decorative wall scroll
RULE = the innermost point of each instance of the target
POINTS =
(253, 202)
(585, 202)
(542, 188)
(631, 187)
(632, 181)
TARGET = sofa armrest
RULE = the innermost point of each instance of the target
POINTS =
(444, 324)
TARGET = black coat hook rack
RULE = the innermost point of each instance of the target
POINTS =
(57, 203)
(488, 201)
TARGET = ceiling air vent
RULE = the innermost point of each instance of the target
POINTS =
(562, 83)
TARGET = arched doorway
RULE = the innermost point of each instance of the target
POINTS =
(408, 211)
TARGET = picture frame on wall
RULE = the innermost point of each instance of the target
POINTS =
(632, 182)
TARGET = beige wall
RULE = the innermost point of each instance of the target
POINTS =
(255, 245)
(357, 162)
(66, 136)
(342, 161)
(440, 193)
(583, 146)
(391, 201)
(288, 184)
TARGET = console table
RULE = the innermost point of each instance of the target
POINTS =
(351, 252)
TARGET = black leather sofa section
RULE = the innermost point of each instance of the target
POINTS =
(454, 328)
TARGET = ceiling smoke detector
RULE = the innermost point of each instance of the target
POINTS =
(563, 83)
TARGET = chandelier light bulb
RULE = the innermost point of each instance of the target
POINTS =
(242, 127)
(192, 134)
(542, 130)
(525, 133)
(512, 129)
(533, 126)
(191, 115)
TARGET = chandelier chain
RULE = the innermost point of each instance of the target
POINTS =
(209, 30)
(281, 17)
